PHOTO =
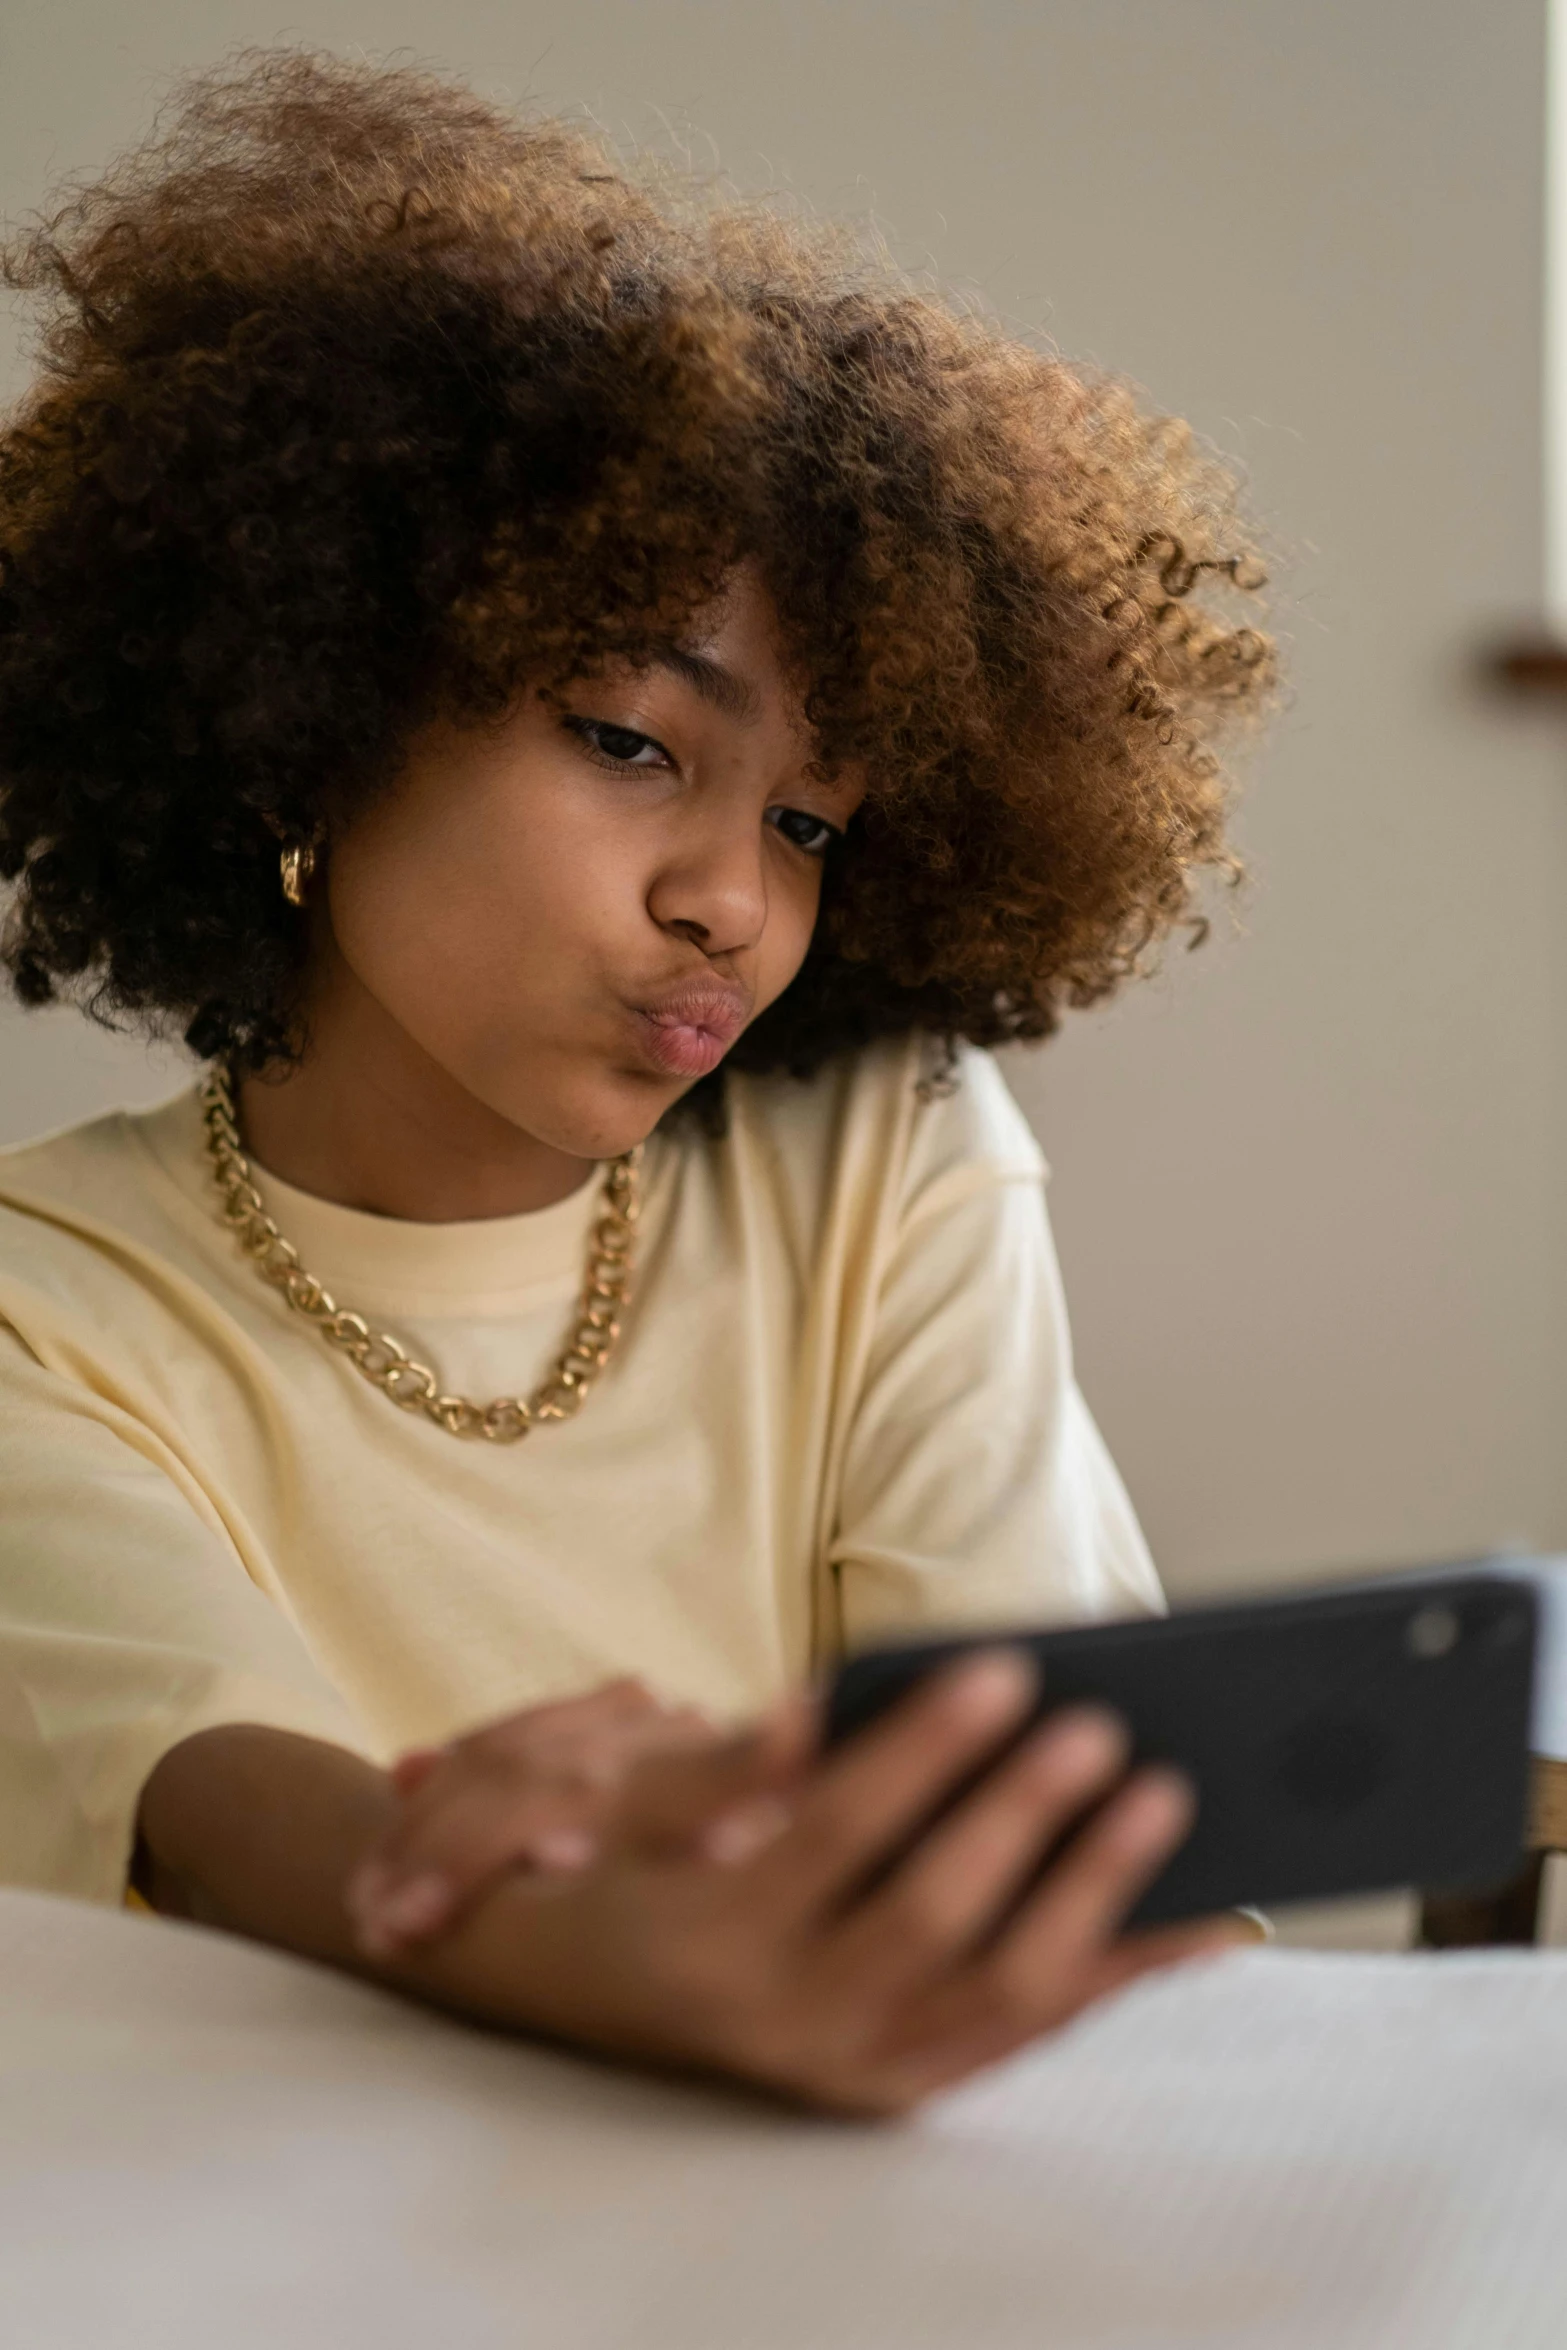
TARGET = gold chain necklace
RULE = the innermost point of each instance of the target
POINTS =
(374, 1353)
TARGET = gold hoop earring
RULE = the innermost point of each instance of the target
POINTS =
(296, 866)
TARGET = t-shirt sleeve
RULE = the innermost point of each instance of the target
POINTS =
(127, 1624)
(976, 1489)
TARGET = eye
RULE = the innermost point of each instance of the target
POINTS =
(813, 834)
(618, 746)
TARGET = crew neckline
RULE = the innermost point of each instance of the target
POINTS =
(491, 1264)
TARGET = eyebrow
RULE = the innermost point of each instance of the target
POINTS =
(723, 689)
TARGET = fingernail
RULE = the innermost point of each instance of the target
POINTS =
(735, 1835)
(1092, 1735)
(564, 1848)
(1164, 1805)
(1004, 1676)
(411, 1909)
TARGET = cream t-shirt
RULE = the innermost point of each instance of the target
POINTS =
(842, 1404)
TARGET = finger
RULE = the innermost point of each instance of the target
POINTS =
(868, 1797)
(436, 1871)
(743, 1830)
(615, 1705)
(587, 1753)
(1054, 1955)
(946, 1896)
(500, 1800)
(1109, 1864)
(544, 1729)
(674, 1799)
(472, 1781)
(1163, 1946)
(943, 2056)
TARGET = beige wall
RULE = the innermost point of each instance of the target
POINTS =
(1309, 1188)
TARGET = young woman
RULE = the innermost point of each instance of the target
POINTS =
(589, 709)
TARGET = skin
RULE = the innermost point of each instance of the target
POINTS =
(775, 1952)
(483, 930)
(520, 955)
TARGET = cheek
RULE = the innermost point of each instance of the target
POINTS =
(409, 912)
(462, 918)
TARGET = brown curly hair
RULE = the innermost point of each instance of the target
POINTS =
(362, 401)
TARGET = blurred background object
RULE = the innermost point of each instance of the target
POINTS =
(1309, 1183)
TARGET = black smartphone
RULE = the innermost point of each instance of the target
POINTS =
(1341, 1741)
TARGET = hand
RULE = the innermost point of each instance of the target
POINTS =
(782, 1942)
(529, 1792)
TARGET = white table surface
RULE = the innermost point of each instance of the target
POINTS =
(207, 2147)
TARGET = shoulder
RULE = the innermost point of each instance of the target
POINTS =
(64, 1163)
(970, 1126)
(96, 1164)
(58, 1178)
(89, 1191)
(889, 1122)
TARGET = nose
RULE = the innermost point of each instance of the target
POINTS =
(713, 888)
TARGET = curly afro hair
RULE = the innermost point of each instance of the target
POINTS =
(361, 401)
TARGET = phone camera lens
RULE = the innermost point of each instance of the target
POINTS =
(1432, 1631)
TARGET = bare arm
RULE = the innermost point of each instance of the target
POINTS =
(795, 1959)
(260, 1831)
(257, 1830)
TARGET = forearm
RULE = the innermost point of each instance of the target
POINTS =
(256, 1830)
(797, 1960)
(259, 1830)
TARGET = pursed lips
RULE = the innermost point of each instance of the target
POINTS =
(687, 1030)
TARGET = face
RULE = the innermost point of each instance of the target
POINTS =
(576, 912)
